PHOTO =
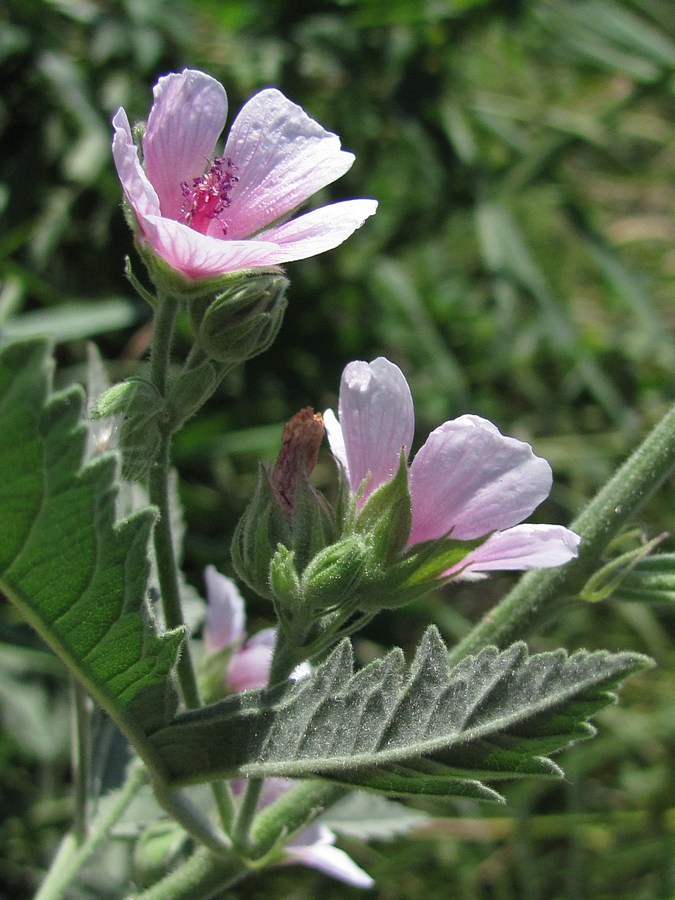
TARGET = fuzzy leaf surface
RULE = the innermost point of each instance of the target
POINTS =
(77, 574)
(403, 730)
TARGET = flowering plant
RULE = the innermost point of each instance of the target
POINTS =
(278, 728)
(207, 215)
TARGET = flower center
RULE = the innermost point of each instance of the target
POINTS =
(208, 196)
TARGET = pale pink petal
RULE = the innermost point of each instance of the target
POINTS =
(225, 615)
(319, 230)
(321, 855)
(469, 480)
(335, 437)
(522, 547)
(185, 122)
(198, 256)
(282, 157)
(250, 666)
(377, 419)
(138, 190)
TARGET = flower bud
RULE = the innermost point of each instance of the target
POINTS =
(335, 574)
(285, 510)
(243, 320)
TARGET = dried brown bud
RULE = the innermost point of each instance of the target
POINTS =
(300, 444)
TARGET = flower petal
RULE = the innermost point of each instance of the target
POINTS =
(282, 157)
(322, 856)
(522, 547)
(377, 419)
(470, 480)
(250, 666)
(225, 616)
(139, 192)
(199, 256)
(319, 230)
(185, 122)
(336, 439)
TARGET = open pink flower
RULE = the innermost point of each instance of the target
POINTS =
(205, 214)
(466, 482)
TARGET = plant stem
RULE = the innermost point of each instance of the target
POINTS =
(165, 555)
(167, 571)
(80, 759)
(72, 856)
(200, 877)
(249, 802)
(537, 592)
(293, 811)
(166, 310)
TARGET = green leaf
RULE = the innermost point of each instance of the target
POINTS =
(422, 729)
(72, 321)
(366, 817)
(77, 574)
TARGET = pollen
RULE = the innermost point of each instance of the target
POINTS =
(208, 196)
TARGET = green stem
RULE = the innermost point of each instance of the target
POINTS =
(165, 556)
(81, 759)
(249, 803)
(537, 593)
(72, 856)
(166, 310)
(200, 877)
(167, 569)
(292, 812)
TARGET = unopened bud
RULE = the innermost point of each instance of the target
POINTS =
(241, 321)
(286, 510)
(300, 442)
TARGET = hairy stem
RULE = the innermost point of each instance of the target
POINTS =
(165, 555)
(81, 740)
(73, 855)
(200, 877)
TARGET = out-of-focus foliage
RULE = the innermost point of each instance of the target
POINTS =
(521, 266)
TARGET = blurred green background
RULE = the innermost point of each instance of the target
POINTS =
(521, 266)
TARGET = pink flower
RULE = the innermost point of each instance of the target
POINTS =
(467, 481)
(249, 664)
(225, 628)
(205, 214)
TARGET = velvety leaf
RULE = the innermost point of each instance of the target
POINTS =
(418, 729)
(77, 574)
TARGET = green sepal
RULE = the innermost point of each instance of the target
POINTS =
(335, 574)
(242, 321)
(140, 438)
(265, 526)
(135, 395)
(608, 579)
(284, 583)
(386, 516)
(189, 392)
(260, 530)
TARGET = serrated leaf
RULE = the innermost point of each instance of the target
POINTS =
(77, 574)
(418, 729)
